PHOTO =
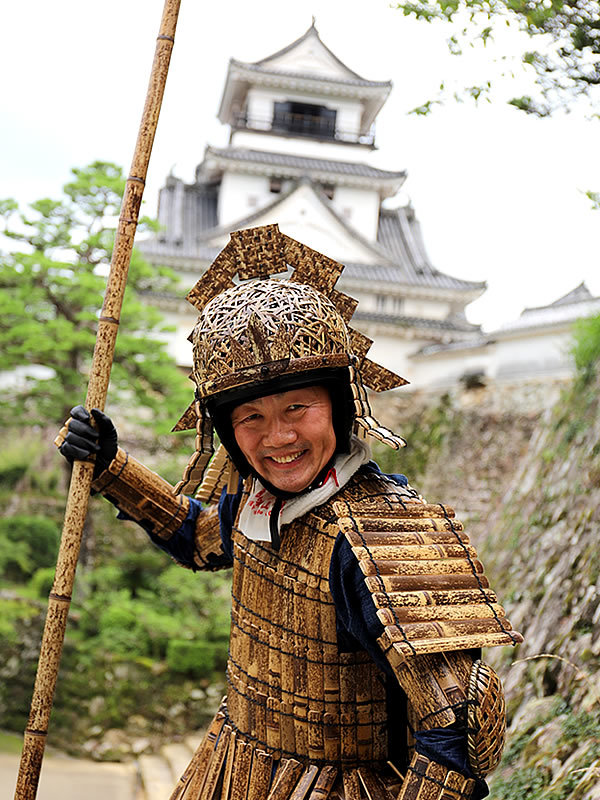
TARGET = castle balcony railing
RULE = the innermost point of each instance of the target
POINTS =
(290, 124)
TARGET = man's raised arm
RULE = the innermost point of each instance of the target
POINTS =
(176, 523)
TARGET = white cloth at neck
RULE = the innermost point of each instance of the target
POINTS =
(256, 514)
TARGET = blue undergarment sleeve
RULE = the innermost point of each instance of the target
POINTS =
(228, 509)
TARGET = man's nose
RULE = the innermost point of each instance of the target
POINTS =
(279, 433)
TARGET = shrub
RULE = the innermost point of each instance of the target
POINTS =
(42, 580)
(15, 460)
(586, 347)
(33, 541)
(196, 659)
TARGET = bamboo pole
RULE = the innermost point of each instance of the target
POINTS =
(81, 479)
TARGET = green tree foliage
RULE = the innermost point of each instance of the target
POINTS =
(52, 281)
(27, 543)
(145, 636)
(586, 347)
(565, 35)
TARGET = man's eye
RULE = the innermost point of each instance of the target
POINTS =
(295, 407)
(247, 420)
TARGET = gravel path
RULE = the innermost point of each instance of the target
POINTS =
(64, 778)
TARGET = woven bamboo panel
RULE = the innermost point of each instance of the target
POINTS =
(345, 304)
(311, 267)
(258, 252)
(361, 344)
(215, 280)
(486, 718)
(425, 578)
(187, 421)
(379, 378)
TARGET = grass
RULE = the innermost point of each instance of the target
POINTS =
(10, 743)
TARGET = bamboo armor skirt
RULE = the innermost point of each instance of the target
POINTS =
(301, 719)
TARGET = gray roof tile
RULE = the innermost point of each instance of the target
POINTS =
(400, 235)
(359, 82)
(416, 322)
(304, 164)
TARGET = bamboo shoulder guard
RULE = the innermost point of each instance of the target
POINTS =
(425, 579)
(142, 494)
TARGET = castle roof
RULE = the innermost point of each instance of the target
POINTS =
(399, 234)
(308, 65)
(576, 304)
(397, 258)
(311, 36)
(285, 165)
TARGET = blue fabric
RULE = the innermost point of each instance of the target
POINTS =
(358, 626)
(181, 546)
(228, 509)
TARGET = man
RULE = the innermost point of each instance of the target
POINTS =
(357, 609)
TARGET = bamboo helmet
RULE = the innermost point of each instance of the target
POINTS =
(263, 335)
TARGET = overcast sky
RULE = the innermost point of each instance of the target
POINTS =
(499, 195)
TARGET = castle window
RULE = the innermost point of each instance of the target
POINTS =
(275, 185)
(304, 118)
(328, 190)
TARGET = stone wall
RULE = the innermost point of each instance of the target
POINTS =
(522, 468)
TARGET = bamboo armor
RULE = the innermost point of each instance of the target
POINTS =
(304, 720)
(148, 499)
(427, 780)
(425, 578)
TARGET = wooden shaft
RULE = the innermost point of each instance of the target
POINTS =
(81, 479)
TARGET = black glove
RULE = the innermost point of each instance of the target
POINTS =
(82, 440)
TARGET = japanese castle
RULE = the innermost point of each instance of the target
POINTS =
(302, 128)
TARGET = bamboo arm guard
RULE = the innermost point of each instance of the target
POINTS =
(142, 495)
(427, 780)
(443, 688)
(436, 686)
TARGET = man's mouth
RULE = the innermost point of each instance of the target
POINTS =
(287, 458)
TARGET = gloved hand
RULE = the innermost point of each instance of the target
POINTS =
(83, 440)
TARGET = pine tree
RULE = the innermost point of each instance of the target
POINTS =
(52, 280)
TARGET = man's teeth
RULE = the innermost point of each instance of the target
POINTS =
(285, 459)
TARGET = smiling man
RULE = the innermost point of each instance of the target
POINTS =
(287, 438)
(358, 610)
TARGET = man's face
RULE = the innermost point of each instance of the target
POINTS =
(287, 438)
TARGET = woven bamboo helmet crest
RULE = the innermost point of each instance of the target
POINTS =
(260, 329)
